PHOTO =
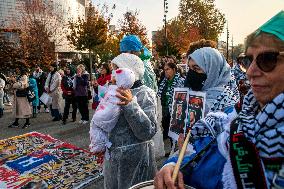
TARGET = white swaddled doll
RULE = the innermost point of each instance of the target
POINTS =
(107, 113)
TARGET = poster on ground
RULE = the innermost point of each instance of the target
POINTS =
(187, 108)
(36, 160)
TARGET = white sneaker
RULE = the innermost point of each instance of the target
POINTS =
(81, 121)
(46, 110)
(85, 122)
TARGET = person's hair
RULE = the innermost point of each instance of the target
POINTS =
(171, 65)
(61, 72)
(172, 57)
(23, 71)
(199, 44)
(82, 67)
(106, 66)
(266, 39)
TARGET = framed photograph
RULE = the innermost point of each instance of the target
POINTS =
(195, 109)
(179, 112)
(187, 108)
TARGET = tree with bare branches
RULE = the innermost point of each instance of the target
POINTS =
(42, 31)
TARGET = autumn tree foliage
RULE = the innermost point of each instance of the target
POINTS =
(130, 24)
(203, 15)
(197, 19)
(10, 54)
(89, 32)
(179, 36)
(110, 48)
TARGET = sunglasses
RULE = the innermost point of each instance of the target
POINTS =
(265, 61)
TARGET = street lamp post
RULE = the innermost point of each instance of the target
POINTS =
(227, 56)
(165, 23)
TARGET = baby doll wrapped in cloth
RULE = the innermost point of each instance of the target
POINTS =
(107, 113)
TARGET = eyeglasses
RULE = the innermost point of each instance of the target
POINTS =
(265, 61)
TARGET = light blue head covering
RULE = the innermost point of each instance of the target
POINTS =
(274, 26)
(130, 43)
(218, 72)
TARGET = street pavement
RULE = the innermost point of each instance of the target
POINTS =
(72, 132)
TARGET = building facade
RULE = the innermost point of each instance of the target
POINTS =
(67, 9)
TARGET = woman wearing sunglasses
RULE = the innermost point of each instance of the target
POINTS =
(250, 150)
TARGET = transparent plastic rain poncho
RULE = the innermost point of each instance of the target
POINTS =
(131, 157)
(107, 113)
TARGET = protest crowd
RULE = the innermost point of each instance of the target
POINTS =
(234, 113)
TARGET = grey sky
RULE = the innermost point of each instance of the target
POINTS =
(244, 16)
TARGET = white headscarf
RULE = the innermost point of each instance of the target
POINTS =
(132, 62)
(213, 63)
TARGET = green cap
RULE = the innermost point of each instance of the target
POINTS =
(274, 26)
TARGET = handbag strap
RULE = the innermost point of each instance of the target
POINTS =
(247, 167)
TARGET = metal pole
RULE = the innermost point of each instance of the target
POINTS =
(227, 42)
(165, 22)
(232, 48)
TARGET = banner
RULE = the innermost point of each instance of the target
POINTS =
(40, 161)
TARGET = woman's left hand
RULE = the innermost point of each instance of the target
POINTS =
(124, 95)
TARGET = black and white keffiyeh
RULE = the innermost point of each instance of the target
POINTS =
(178, 82)
(228, 98)
(238, 73)
(216, 120)
(266, 127)
(212, 125)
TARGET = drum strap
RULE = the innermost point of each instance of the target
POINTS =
(246, 163)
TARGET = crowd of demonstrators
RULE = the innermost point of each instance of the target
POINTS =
(52, 87)
(68, 94)
(244, 103)
(251, 144)
(40, 78)
(21, 106)
(80, 86)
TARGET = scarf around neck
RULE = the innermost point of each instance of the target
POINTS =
(37, 74)
(177, 82)
(266, 127)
